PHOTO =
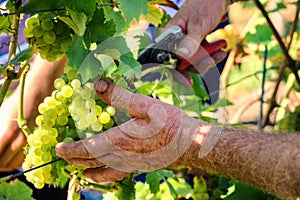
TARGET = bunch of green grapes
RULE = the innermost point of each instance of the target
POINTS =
(72, 112)
(291, 122)
(49, 35)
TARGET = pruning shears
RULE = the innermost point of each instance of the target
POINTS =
(162, 51)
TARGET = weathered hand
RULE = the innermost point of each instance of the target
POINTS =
(156, 136)
(197, 18)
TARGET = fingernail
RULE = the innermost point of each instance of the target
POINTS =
(101, 86)
(183, 51)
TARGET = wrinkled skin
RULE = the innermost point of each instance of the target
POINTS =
(156, 136)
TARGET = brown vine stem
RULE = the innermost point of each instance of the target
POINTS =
(22, 122)
(273, 102)
(12, 51)
(290, 62)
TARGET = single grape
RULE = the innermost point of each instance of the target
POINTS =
(46, 157)
(67, 91)
(50, 114)
(76, 83)
(110, 110)
(38, 120)
(27, 32)
(38, 31)
(72, 74)
(32, 22)
(91, 118)
(49, 37)
(59, 83)
(42, 108)
(40, 42)
(97, 126)
(104, 117)
(98, 109)
(47, 25)
(62, 120)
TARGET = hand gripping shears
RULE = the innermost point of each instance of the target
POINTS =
(163, 50)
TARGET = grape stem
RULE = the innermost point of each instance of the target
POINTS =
(22, 122)
(12, 52)
(72, 185)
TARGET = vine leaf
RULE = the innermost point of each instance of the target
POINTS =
(77, 52)
(8, 191)
(34, 5)
(134, 9)
(262, 35)
(125, 190)
(23, 55)
(245, 192)
(90, 68)
(87, 7)
(76, 21)
(154, 179)
(129, 67)
(98, 25)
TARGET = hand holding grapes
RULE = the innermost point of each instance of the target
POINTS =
(156, 136)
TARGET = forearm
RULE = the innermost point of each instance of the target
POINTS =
(266, 161)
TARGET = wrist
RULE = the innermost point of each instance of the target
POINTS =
(205, 139)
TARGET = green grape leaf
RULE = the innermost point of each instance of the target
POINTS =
(245, 192)
(154, 179)
(76, 21)
(8, 191)
(155, 15)
(111, 14)
(5, 25)
(99, 29)
(87, 7)
(125, 190)
(262, 35)
(279, 6)
(198, 86)
(77, 52)
(23, 55)
(134, 9)
(35, 5)
(129, 67)
(90, 68)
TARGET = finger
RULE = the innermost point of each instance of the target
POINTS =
(68, 150)
(104, 175)
(90, 163)
(137, 105)
(90, 148)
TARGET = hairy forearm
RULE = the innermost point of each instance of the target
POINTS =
(267, 161)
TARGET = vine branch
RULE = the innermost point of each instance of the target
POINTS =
(290, 62)
(273, 102)
(12, 51)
